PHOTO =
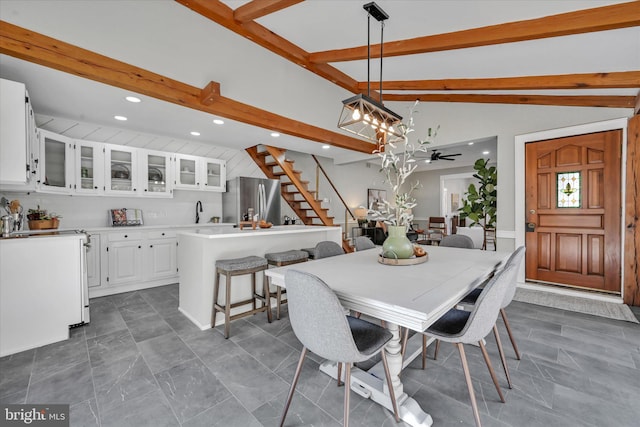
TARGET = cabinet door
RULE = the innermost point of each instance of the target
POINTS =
(56, 165)
(155, 173)
(125, 262)
(89, 167)
(215, 178)
(188, 173)
(14, 134)
(162, 258)
(122, 170)
(93, 261)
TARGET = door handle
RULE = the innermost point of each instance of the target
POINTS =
(530, 227)
(532, 211)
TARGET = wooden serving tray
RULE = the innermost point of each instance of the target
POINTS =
(407, 261)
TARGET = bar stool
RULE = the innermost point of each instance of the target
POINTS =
(279, 259)
(237, 267)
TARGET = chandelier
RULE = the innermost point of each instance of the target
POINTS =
(363, 115)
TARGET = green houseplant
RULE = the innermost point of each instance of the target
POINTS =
(398, 162)
(39, 219)
(481, 204)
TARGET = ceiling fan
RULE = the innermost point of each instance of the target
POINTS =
(437, 155)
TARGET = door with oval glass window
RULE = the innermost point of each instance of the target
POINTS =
(573, 208)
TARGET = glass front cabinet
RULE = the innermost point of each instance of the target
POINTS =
(89, 167)
(56, 163)
(199, 173)
(122, 170)
(156, 173)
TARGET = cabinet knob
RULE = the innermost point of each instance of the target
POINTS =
(139, 247)
(125, 236)
(145, 189)
(150, 246)
(95, 187)
(163, 234)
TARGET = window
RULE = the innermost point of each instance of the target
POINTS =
(568, 187)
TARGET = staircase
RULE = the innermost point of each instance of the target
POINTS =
(294, 190)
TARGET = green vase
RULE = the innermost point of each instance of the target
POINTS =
(397, 245)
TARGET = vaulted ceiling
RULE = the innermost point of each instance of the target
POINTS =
(285, 65)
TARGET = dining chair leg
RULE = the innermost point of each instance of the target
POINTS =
(405, 338)
(506, 324)
(278, 302)
(424, 351)
(347, 393)
(392, 392)
(267, 296)
(485, 354)
(437, 349)
(294, 382)
(503, 358)
(467, 377)
(339, 374)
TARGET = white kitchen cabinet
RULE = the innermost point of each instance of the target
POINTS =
(161, 255)
(18, 137)
(121, 177)
(216, 175)
(89, 167)
(199, 173)
(124, 258)
(56, 163)
(156, 173)
(93, 260)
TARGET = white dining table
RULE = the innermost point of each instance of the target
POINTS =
(412, 296)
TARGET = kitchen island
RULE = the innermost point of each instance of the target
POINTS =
(198, 252)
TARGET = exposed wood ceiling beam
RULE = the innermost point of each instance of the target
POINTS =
(224, 15)
(624, 79)
(636, 109)
(40, 49)
(616, 16)
(258, 8)
(569, 101)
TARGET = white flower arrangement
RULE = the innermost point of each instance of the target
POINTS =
(398, 162)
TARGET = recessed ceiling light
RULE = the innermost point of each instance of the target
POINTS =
(122, 118)
(485, 152)
(326, 147)
(194, 133)
(133, 99)
(470, 143)
(275, 134)
(218, 121)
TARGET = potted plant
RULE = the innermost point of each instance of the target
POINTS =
(398, 162)
(481, 203)
(39, 219)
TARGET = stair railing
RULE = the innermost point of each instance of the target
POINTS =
(347, 209)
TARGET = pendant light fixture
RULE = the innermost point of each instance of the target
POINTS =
(361, 114)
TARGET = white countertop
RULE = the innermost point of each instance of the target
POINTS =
(206, 225)
(248, 231)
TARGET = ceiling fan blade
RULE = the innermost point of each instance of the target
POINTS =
(445, 158)
(450, 155)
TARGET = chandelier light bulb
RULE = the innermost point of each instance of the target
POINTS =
(367, 118)
(356, 114)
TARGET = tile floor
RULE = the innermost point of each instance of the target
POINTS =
(141, 363)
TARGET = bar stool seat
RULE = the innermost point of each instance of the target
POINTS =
(280, 259)
(238, 267)
(311, 252)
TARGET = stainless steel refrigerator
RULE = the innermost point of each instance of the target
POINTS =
(260, 194)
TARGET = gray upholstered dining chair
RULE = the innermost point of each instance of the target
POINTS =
(466, 327)
(319, 322)
(327, 248)
(363, 243)
(473, 296)
(457, 241)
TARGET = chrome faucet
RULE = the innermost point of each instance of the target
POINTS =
(198, 204)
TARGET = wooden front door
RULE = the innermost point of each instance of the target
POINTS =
(573, 208)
